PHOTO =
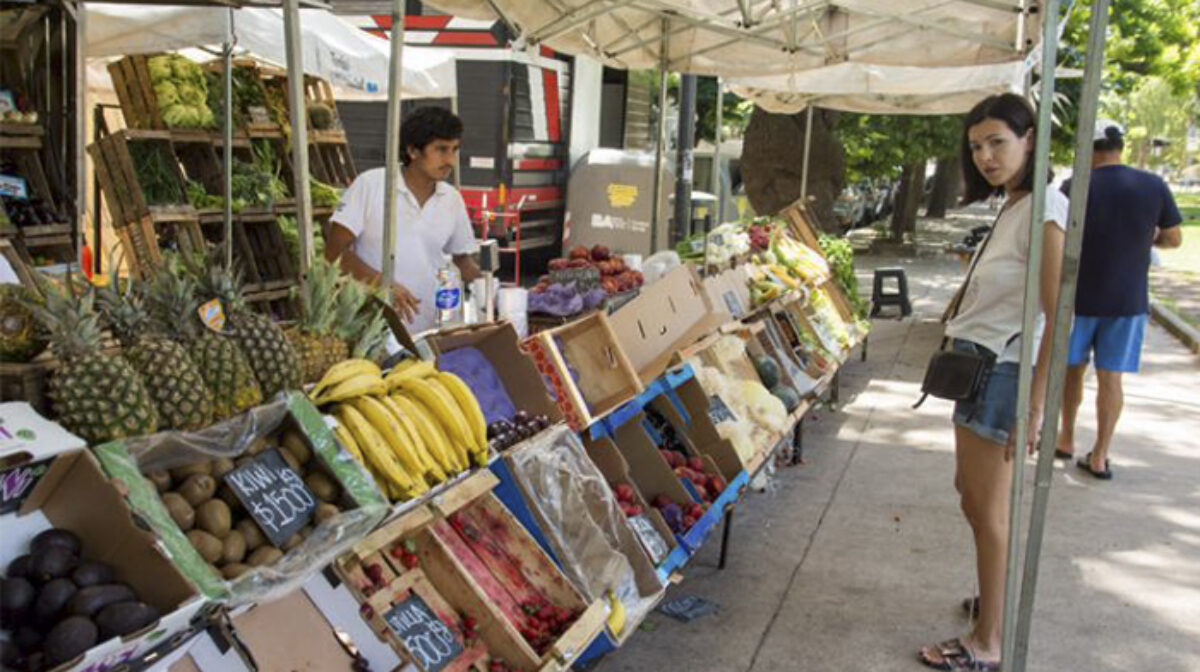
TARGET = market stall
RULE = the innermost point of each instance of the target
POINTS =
(480, 499)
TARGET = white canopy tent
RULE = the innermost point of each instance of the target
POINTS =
(353, 61)
(899, 56)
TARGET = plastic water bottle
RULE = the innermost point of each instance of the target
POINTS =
(449, 296)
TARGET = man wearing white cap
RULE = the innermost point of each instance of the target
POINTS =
(1129, 211)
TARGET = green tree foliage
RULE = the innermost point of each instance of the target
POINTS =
(735, 111)
(879, 145)
(1153, 111)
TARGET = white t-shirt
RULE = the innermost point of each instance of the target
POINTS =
(993, 303)
(424, 235)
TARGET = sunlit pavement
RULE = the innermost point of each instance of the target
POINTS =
(856, 559)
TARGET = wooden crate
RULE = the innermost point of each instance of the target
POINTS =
(586, 369)
(114, 165)
(273, 266)
(317, 90)
(198, 159)
(131, 80)
(28, 382)
(143, 241)
(257, 122)
(332, 163)
(800, 226)
(278, 304)
(457, 580)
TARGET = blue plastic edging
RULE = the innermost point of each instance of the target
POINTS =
(602, 645)
(664, 384)
(510, 495)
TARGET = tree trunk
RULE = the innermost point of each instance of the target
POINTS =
(772, 163)
(946, 184)
(908, 199)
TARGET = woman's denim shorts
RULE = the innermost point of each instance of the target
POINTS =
(993, 413)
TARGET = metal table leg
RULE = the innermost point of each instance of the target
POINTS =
(798, 443)
(866, 341)
(726, 526)
(835, 385)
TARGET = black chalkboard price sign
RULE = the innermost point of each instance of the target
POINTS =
(432, 644)
(274, 495)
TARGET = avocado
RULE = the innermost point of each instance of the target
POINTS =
(51, 562)
(55, 537)
(27, 638)
(118, 620)
(51, 602)
(9, 655)
(18, 568)
(70, 638)
(17, 596)
(89, 601)
(91, 573)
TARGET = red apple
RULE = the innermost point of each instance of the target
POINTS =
(600, 253)
(580, 252)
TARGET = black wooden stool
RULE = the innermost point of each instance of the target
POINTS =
(880, 297)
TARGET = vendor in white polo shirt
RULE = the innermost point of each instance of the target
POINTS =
(431, 219)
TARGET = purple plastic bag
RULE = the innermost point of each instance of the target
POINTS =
(477, 372)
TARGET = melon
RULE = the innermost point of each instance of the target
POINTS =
(21, 339)
(768, 370)
(789, 397)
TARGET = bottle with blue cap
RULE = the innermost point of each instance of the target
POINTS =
(448, 299)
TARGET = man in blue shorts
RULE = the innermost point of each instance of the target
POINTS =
(1128, 212)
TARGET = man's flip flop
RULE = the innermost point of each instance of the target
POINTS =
(1085, 463)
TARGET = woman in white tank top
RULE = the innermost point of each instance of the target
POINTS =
(998, 142)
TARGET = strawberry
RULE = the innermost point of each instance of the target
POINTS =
(375, 573)
(625, 492)
(688, 522)
(410, 561)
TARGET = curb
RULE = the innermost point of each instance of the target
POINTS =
(1186, 333)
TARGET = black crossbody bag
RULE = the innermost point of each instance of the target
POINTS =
(954, 375)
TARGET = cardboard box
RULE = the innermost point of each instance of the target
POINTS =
(291, 633)
(608, 459)
(695, 410)
(363, 506)
(455, 581)
(499, 344)
(667, 316)
(730, 290)
(585, 368)
(74, 494)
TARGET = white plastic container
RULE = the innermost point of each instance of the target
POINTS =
(512, 304)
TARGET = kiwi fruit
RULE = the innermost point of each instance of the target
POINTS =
(322, 486)
(234, 548)
(258, 445)
(181, 512)
(291, 461)
(55, 537)
(292, 542)
(221, 466)
(325, 511)
(198, 488)
(264, 555)
(194, 469)
(160, 479)
(208, 546)
(252, 533)
(242, 461)
(233, 570)
(292, 442)
(214, 517)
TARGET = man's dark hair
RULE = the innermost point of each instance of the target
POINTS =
(1113, 141)
(1019, 116)
(424, 125)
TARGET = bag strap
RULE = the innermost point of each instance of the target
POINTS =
(956, 302)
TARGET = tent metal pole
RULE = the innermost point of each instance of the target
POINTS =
(392, 151)
(1032, 309)
(660, 133)
(227, 136)
(807, 147)
(295, 66)
(78, 25)
(714, 181)
(1081, 178)
(684, 156)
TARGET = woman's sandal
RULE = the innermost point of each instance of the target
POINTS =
(956, 657)
(1085, 464)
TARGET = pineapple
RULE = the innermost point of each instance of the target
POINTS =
(224, 367)
(99, 397)
(175, 385)
(270, 354)
(318, 296)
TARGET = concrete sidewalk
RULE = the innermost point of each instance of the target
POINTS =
(855, 560)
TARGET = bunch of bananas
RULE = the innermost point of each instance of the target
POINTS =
(412, 429)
